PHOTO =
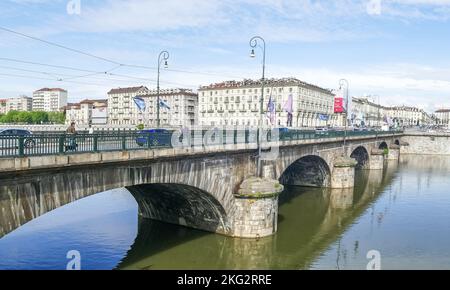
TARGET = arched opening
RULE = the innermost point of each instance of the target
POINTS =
(27, 197)
(397, 142)
(310, 171)
(383, 146)
(181, 205)
(361, 155)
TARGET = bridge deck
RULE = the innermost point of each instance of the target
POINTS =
(50, 151)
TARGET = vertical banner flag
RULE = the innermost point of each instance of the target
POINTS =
(288, 107)
(140, 103)
(271, 110)
(349, 109)
(339, 103)
(163, 104)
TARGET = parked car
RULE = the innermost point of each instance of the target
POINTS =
(156, 137)
(9, 138)
(321, 131)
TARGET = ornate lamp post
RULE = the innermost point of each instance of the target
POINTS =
(253, 43)
(343, 82)
(163, 57)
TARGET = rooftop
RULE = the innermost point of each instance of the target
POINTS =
(171, 92)
(365, 100)
(51, 90)
(126, 90)
(100, 103)
(248, 83)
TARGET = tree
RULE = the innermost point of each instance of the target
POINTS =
(24, 117)
(39, 117)
(56, 117)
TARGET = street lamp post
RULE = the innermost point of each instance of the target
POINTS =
(378, 108)
(253, 43)
(343, 82)
(163, 56)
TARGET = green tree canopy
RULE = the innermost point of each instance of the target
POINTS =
(14, 117)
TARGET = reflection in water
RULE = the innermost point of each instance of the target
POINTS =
(394, 211)
(310, 219)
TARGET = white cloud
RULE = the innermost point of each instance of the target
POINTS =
(153, 15)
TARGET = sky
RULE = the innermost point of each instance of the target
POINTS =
(395, 49)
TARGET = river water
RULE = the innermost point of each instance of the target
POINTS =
(402, 213)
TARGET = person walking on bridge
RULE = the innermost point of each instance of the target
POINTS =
(72, 142)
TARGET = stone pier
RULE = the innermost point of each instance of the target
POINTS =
(256, 203)
(394, 152)
(376, 161)
(404, 147)
(343, 174)
(341, 198)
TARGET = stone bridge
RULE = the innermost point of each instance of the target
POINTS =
(210, 188)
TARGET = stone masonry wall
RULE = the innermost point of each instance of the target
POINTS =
(426, 144)
(255, 218)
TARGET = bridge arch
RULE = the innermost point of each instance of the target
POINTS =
(383, 145)
(310, 170)
(209, 194)
(361, 155)
(182, 205)
(397, 142)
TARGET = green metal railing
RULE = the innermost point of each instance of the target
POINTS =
(52, 144)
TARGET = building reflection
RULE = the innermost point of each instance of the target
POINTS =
(310, 219)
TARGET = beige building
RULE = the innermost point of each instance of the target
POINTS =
(404, 116)
(237, 103)
(121, 107)
(94, 112)
(49, 100)
(123, 111)
(368, 113)
(443, 117)
(183, 104)
(22, 104)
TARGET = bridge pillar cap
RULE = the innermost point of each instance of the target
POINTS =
(344, 161)
(377, 152)
(394, 146)
(256, 187)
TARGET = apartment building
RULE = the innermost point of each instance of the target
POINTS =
(49, 99)
(287, 102)
(87, 112)
(178, 107)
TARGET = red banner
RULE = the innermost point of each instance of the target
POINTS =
(339, 105)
